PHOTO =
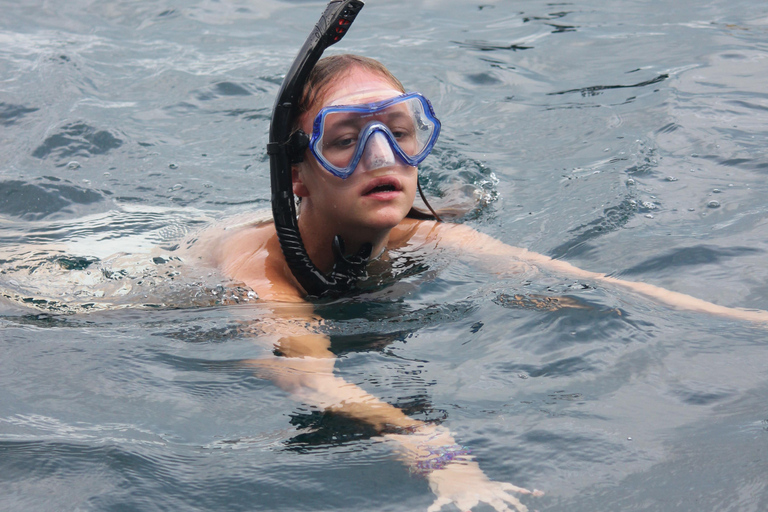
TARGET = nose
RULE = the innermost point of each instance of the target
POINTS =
(378, 153)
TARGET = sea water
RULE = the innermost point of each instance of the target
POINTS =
(624, 137)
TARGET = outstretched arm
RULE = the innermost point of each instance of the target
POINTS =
(502, 257)
(305, 369)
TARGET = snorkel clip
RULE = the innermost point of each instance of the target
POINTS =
(348, 269)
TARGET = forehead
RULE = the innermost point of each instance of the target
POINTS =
(358, 86)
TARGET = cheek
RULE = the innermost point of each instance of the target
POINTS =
(320, 182)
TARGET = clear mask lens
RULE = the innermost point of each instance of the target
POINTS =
(374, 133)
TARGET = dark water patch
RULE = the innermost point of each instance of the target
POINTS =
(231, 89)
(597, 89)
(42, 320)
(570, 106)
(646, 168)
(10, 113)
(359, 316)
(750, 164)
(223, 89)
(563, 396)
(483, 79)
(668, 128)
(559, 29)
(700, 397)
(211, 334)
(258, 201)
(77, 139)
(327, 428)
(484, 46)
(560, 368)
(537, 302)
(749, 105)
(200, 334)
(497, 63)
(75, 262)
(612, 219)
(549, 17)
(689, 257)
(744, 163)
(131, 199)
(251, 114)
(35, 201)
(366, 342)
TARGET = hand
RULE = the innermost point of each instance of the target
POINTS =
(465, 485)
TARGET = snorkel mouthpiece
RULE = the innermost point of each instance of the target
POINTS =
(330, 28)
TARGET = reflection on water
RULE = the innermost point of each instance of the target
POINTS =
(59, 261)
(626, 138)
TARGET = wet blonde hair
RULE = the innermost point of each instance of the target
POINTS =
(332, 68)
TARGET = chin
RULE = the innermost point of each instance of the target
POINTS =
(386, 220)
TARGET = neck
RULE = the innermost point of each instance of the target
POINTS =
(318, 240)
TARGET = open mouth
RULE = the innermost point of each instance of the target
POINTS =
(382, 185)
(381, 188)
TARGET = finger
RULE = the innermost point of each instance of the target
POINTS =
(438, 504)
(466, 503)
(514, 502)
(499, 505)
(509, 487)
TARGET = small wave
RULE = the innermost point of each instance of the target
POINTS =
(77, 139)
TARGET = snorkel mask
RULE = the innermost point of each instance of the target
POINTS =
(403, 127)
(286, 148)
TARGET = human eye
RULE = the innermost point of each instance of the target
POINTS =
(401, 132)
(344, 142)
(341, 142)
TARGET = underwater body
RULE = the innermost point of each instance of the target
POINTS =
(627, 138)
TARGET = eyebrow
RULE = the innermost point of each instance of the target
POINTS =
(353, 119)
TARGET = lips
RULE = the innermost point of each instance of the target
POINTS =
(383, 185)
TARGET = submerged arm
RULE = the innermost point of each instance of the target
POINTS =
(503, 257)
(305, 369)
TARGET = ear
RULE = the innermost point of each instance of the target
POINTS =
(299, 188)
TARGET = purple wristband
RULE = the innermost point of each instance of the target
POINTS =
(438, 458)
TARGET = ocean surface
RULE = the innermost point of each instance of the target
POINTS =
(624, 137)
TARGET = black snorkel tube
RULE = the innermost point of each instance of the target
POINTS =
(285, 150)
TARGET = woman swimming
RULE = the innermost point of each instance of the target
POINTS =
(358, 180)
(346, 139)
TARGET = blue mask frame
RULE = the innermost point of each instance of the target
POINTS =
(371, 128)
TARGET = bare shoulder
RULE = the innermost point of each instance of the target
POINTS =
(415, 231)
(213, 245)
(456, 237)
(248, 251)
